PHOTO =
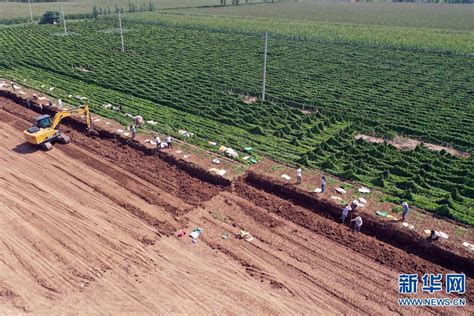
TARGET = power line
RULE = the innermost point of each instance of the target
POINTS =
(265, 66)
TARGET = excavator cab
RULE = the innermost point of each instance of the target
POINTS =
(43, 121)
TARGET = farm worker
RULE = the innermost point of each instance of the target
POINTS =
(158, 143)
(298, 175)
(168, 141)
(354, 204)
(345, 212)
(133, 130)
(357, 223)
(60, 104)
(138, 121)
(13, 86)
(323, 184)
(434, 235)
(405, 210)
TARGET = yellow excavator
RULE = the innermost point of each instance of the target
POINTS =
(44, 132)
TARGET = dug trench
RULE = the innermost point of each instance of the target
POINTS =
(385, 244)
(389, 233)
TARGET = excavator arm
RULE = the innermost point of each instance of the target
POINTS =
(44, 134)
(82, 110)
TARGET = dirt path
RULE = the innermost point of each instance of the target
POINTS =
(405, 143)
(69, 243)
(86, 228)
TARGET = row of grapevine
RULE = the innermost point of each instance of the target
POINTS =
(436, 181)
(179, 78)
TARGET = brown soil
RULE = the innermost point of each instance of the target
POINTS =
(249, 100)
(422, 220)
(405, 143)
(293, 203)
(84, 231)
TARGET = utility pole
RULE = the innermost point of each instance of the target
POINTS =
(31, 11)
(265, 66)
(121, 32)
(64, 20)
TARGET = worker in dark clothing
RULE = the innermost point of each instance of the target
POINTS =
(323, 184)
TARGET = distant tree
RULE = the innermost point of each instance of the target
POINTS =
(108, 10)
(151, 6)
(117, 10)
(101, 11)
(132, 7)
(50, 17)
(95, 12)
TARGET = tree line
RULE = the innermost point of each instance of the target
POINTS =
(238, 2)
(33, 1)
(435, 1)
(132, 7)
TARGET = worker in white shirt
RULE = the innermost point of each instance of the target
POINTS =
(434, 235)
(357, 223)
(133, 130)
(168, 141)
(345, 213)
(158, 143)
(298, 175)
(60, 104)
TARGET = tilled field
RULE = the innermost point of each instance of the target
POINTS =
(88, 228)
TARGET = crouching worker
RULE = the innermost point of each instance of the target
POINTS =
(138, 120)
(434, 235)
(357, 223)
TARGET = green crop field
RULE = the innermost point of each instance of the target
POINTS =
(180, 74)
(419, 15)
(453, 41)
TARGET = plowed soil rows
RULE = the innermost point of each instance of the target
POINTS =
(87, 228)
